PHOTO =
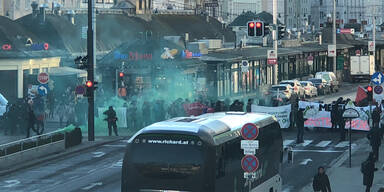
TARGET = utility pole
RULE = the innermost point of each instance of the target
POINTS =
(274, 35)
(374, 35)
(334, 36)
(91, 39)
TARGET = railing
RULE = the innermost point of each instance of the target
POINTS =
(32, 142)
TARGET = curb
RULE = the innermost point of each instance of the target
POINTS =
(56, 156)
(338, 161)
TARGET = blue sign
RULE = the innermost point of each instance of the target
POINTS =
(377, 78)
(43, 89)
(338, 31)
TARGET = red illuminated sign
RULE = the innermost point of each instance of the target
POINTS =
(6, 47)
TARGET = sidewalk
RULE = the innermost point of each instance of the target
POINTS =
(85, 145)
(343, 178)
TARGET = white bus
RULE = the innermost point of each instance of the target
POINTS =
(202, 154)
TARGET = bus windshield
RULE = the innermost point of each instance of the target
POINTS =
(175, 162)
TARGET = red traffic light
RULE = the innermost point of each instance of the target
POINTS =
(258, 24)
(369, 88)
(251, 24)
(89, 84)
(121, 74)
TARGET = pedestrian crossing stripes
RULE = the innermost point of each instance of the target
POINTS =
(323, 143)
(342, 144)
(319, 144)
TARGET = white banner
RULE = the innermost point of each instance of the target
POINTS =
(281, 113)
(318, 115)
(120, 113)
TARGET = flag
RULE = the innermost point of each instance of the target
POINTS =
(361, 94)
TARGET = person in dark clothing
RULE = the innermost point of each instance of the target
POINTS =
(300, 126)
(31, 121)
(321, 181)
(249, 105)
(146, 113)
(340, 120)
(334, 116)
(234, 105)
(368, 169)
(132, 113)
(111, 119)
(375, 141)
(376, 117)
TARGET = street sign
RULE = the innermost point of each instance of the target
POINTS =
(377, 78)
(310, 60)
(331, 50)
(378, 93)
(244, 66)
(345, 31)
(211, 4)
(43, 89)
(271, 57)
(249, 146)
(358, 52)
(250, 163)
(371, 46)
(43, 78)
(80, 90)
(250, 175)
(351, 113)
(249, 131)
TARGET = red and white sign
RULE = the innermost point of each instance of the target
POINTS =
(6, 47)
(250, 163)
(371, 46)
(310, 60)
(347, 31)
(43, 78)
(249, 131)
(357, 52)
(331, 50)
(271, 57)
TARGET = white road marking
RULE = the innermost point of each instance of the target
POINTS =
(114, 145)
(306, 142)
(118, 164)
(12, 183)
(98, 154)
(92, 185)
(318, 151)
(287, 142)
(323, 143)
(342, 144)
(305, 161)
(92, 170)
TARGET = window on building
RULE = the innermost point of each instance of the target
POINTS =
(140, 4)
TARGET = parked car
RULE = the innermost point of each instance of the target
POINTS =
(280, 91)
(331, 79)
(321, 85)
(296, 86)
(309, 89)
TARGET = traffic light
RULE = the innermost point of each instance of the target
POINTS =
(370, 93)
(120, 81)
(259, 29)
(281, 32)
(251, 28)
(90, 87)
(121, 74)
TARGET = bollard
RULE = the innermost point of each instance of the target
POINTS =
(290, 155)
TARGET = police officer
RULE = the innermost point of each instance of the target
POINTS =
(111, 119)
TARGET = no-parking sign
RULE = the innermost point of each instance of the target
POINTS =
(378, 93)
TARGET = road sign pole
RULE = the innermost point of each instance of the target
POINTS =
(350, 142)
(91, 64)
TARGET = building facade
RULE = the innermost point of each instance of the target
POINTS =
(233, 8)
(267, 6)
(298, 14)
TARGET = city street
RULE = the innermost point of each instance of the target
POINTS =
(99, 169)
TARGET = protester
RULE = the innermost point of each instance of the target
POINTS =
(321, 181)
(300, 126)
(111, 119)
(334, 116)
(375, 141)
(31, 121)
(249, 105)
(340, 119)
(368, 169)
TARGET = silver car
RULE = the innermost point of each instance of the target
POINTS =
(282, 92)
(296, 87)
(309, 89)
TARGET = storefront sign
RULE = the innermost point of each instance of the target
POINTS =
(188, 54)
(133, 56)
(6, 47)
(39, 46)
